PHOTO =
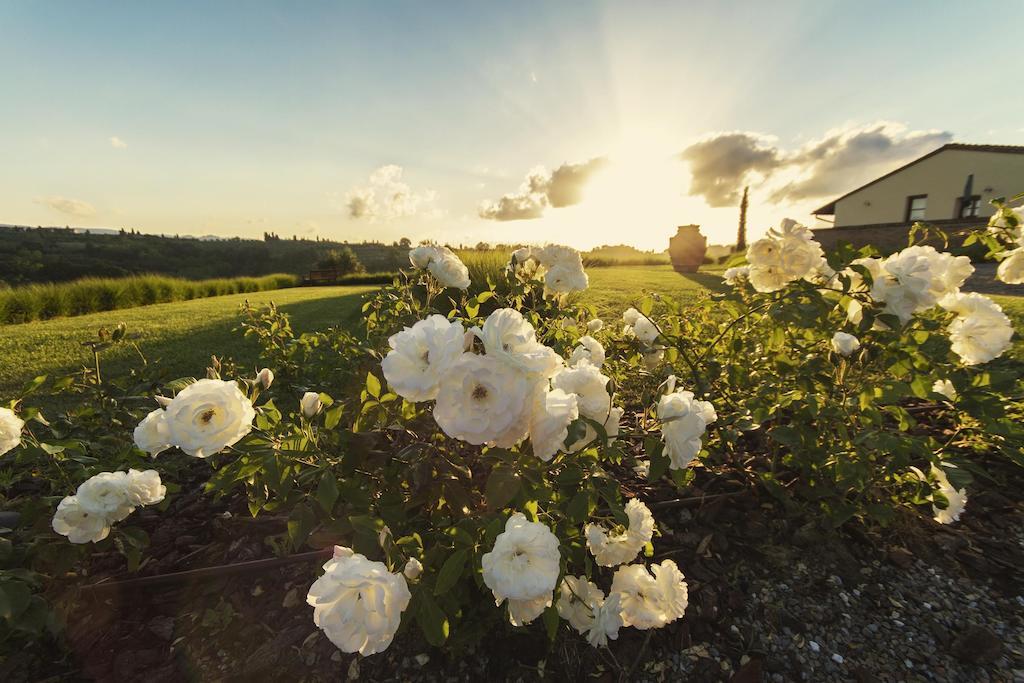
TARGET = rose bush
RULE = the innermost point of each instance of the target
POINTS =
(472, 442)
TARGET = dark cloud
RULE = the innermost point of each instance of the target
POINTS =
(840, 161)
(559, 188)
(722, 163)
(846, 159)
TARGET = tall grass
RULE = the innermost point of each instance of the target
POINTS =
(484, 265)
(89, 295)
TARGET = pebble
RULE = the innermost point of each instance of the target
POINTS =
(814, 646)
(837, 658)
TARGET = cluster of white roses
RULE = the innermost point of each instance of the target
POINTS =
(104, 499)
(517, 388)
(442, 263)
(523, 566)
(785, 254)
(640, 327)
(205, 417)
(560, 267)
(10, 430)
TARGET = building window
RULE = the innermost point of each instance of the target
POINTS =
(968, 209)
(915, 207)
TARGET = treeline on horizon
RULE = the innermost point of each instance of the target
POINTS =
(35, 255)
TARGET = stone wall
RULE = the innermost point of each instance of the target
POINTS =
(890, 237)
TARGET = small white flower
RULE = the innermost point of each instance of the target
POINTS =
(683, 422)
(421, 256)
(595, 326)
(588, 349)
(650, 601)
(1011, 269)
(957, 500)
(553, 412)
(508, 337)
(642, 468)
(106, 495)
(563, 269)
(944, 387)
(522, 567)
(265, 377)
(10, 430)
(482, 400)
(144, 488)
(785, 254)
(78, 524)
(310, 404)
(615, 549)
(153, 435)
(611, 430)
(578, 600)
(420, 355)
(358, 603)
(844, 344)
(586, 381)
(442, 263)
(981, 331)
(640, 326)
(208, 416)
(413, 569)
(733, 276)
(606, 622)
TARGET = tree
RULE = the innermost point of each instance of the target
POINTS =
(343, 260)
(405, 243)
(741, 234)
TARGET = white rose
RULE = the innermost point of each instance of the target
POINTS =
(563, 279)
(653, 357)
(733, 276)
(520, 256)
(1011, 269)
(265, 377)
(413, 569)
(957, 500)
(484, 401)
(144, 488)
(79, 524)
(610, 550)
(420, 355)
(208, 416)
(522, 567)
(595, 326)
(358, 603)
(944, 387)
(588, 349)
(683, 421)
(650, 601)
(981, 331)
(153, 435)
(10, 430)
(578, 600)
(553, 412)
(611, 429)
(606, 622)
(508, 337)
(586, 381)
(310, 404)
(420, 257)
(106, 494)
(449, 270)
(844, 344)
(640, 326)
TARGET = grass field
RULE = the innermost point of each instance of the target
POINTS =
(182, 335)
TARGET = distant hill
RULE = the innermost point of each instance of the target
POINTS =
(60, 254)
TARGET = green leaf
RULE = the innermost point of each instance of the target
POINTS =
(450, 572)
(502, 486)
(34, 384)
(327, 491)
(551, 622)
(300, 524)
(432, 620)
(578, 509)
(372, 385)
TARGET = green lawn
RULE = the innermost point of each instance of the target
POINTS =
(183, 335)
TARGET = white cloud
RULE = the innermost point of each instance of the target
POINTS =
(71, 207)
(118, 143)
(842, 159)
(386, 197)
(541, 189)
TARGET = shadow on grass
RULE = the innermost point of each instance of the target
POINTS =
(709, 280)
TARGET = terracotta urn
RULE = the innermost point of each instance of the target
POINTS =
(687, 249)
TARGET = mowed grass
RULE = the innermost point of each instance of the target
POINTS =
(181, 336)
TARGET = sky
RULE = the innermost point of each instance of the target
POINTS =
(582, 123)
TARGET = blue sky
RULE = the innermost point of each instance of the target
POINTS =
(235, 118)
